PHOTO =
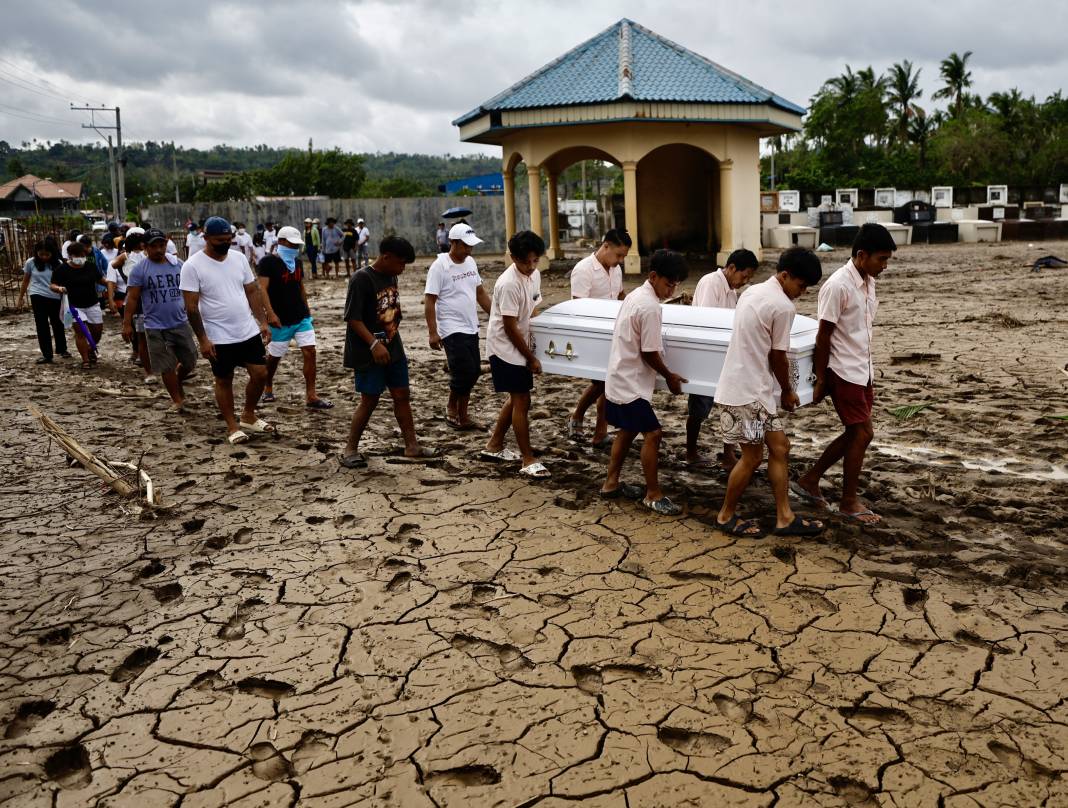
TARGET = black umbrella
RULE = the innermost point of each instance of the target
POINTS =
(456, 213)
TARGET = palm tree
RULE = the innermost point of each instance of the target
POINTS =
(844, 86)
(920, 130)
(904, 88)
(957, 78)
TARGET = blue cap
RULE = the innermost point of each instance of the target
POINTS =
(217, 226)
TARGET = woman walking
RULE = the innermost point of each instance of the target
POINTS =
(77, 280)
(37, 278)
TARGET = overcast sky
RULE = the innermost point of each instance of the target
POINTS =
(374, 76)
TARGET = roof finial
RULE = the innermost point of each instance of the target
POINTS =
(625, 74)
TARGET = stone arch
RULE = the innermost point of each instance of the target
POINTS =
(679, 198)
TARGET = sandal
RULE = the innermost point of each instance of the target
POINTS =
(625, 490)
(424, 453)
(745, 528)
(858, 516)
(353, 461)
(235, 438)
(535, 470)
(801, 527)
(259, 426)
(703, 462)
(86, 364)
(452, 423)
(809, 497)
(320, 404)
(503, 456)
(662, 506)
(573, 430)
(267, 398)
(604, 444)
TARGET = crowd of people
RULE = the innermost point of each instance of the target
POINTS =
(239, 300)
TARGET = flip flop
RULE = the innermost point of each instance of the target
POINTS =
(662, 506)
(573, 429)
(626, 491)
(87, 365)
(353, 461)
(472, 426)
(259, 426)
(604, 444)
(741, 527)
(801, 527)
(702, 462)
(503, 456)
(425, 453)
(267, 398)
(320, 404)
(536, 470)
(452, 423)
(235, 438)
(856, 517)
(808, 496)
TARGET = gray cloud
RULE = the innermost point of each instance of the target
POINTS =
(379, 76)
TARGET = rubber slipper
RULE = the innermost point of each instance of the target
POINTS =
(353, 461)
(503, 456)
(741, 527)
(320, 404)
(425, 453)
(702, 462)
(536, 470)
(235, 438)
(472, 426)
(259, 426)
(662, 506)
(86, 365)
(856, 517)
(801, 527)
(573, 429)
(452, 423)
(626, 491)
(809, 497)
(267, 398)
(604, 444)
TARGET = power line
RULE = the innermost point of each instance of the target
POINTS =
(25, 85)
(43, 83)
(55, 122)
(37, 115)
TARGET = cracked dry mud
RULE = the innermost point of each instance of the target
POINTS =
(288, 633)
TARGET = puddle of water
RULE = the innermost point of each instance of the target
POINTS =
(1013, 466)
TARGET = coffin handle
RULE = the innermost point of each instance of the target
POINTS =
(569, 352)
(811, 378)
(551, 350)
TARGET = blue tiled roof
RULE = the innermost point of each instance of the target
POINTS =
(629, 61)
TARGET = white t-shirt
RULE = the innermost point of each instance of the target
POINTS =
(258, 251)
(848, 300)
(514, 295)
(223, 305)
(63, 250)
(638, 328)
(714, 291)
(194, 242)
(116, 277)
(270, 238)
(243, 241)
(456, 286)
(364, 236)
(762, 323)
(171, 248)
(109, 254)
(589, 278)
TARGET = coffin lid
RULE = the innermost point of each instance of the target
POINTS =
(681, 323)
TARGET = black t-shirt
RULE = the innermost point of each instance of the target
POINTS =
(284, 289)
(373, 299)
(348, 240)
(80, 283)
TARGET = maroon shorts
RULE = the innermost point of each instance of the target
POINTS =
(852, 402)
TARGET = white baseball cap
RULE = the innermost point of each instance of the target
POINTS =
(465, 233)
(135, 231)
(290, 234)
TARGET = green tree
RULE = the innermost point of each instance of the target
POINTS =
(956, 79)
(903, 88)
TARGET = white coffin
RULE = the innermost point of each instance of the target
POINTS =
(901, 233)
(574, 339)
(971, 231)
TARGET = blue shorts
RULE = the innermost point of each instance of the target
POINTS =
(287, 332)
(509, 378)
(374, 380)
(637, 416)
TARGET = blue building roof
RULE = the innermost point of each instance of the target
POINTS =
(628, 61)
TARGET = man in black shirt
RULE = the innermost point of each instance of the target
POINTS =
(282, 279)
(76, 278)
(374, 350)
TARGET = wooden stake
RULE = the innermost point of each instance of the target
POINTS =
(83, 456)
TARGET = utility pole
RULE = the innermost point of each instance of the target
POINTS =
(116, 161)
(174, 165)
(114, 184)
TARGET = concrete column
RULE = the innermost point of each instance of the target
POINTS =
(509, 204)
(726, 209)
(632, 264)
(555, 253)
(534, 184)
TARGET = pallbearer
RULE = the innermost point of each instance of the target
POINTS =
(754, 382)
(598, 276)
(717, 290)
(843, 367)
(634, 362)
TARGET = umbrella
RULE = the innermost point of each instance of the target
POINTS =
(78, 321)
(456, 213)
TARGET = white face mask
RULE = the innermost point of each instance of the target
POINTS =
(76, 262)
(241, 230)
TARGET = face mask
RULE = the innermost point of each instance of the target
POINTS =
(219, 249)
(288, 256)
(76, 262)
(241, 230)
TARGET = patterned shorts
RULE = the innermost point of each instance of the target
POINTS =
(747, 423)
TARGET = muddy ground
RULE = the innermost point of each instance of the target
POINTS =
(290, 633)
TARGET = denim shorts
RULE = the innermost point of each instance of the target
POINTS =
(373, 380)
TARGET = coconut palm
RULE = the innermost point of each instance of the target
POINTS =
(957, 78)
(920, 129)
(903, 89)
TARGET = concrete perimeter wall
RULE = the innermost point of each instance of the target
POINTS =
(415, 218)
